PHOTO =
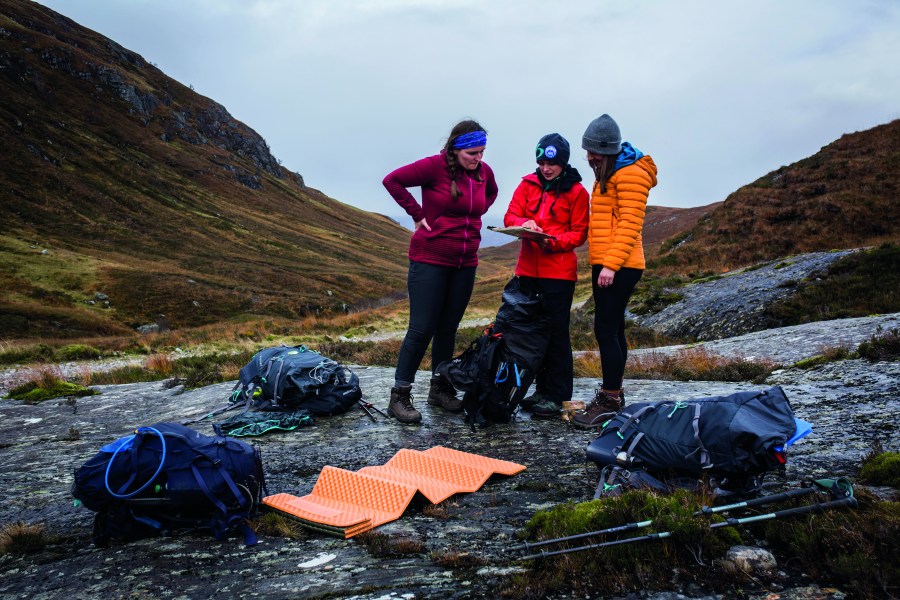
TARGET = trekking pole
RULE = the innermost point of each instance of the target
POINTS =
(619, 529)
(368, 407)
(838, 488)
(848, 500)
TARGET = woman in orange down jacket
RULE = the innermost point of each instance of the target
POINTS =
(624, 176)
(553, 201)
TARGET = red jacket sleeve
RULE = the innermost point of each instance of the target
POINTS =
(578, 225)
(515, 213)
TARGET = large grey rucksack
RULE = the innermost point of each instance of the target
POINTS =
(739, 435)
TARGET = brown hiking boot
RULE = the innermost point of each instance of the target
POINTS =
(400, 406)
(444, 395)
(605, 404)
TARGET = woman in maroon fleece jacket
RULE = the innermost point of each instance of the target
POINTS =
(457, 189)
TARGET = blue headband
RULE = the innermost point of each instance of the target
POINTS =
(471, 140)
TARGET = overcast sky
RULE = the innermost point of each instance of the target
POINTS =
(718, 92)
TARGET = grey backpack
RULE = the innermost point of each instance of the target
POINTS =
(738, 435)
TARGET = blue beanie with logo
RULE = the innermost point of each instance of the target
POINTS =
(553, 148)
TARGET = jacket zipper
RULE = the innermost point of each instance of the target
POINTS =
(466, 230)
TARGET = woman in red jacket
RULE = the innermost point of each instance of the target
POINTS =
(553, 201)
(457, 189)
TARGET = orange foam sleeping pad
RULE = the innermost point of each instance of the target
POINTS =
(356, 501)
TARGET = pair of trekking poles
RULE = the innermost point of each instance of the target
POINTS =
(841, 491)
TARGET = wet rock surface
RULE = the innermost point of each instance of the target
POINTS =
(464, 549)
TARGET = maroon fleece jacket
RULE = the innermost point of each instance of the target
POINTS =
(455, 224)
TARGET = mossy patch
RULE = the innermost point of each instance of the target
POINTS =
(882, 469)
(33, 393)
(853, 549)
(656, 564)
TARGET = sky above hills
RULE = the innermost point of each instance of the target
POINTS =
(718, 92)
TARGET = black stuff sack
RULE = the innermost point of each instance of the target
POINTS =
(168, 478)
(288, 378)
(524, 324)
(736, 436)
(492, 379)
(497, 368)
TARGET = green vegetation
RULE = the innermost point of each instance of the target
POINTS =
(854, 549)
(881, 346)
(653, 293)
(881, 468)
(34, 392)
(276, 524)
(857, 285)
(642, 565)
(190, 371)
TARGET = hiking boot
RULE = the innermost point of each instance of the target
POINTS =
(546, 409)
(605, 404)
(444, 395)
(400, 406)
(529, 402)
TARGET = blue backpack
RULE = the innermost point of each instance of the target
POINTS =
(167, 477)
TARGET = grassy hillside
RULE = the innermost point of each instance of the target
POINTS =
(844, 196)
(118, 180)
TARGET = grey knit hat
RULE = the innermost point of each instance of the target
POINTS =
(602, 136)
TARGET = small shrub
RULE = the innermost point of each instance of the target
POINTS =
(855, 549)
(278, 525)
(456, 560)
(78, 352)
(697, 364)
(881, 346)
(161, 363)
(381, 545)
(46, 384)
(882, 469)
(21, 538)
(439, 511)
(73, 435)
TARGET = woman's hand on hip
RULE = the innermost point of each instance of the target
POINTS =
(605, 278)
(423, 223)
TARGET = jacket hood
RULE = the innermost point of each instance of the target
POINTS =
(628, 156)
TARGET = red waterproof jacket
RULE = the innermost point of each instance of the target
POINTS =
(560, 208)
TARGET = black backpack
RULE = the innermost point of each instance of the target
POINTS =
(288, 378)
(735, 437)
(492, 379)
(497, 368)
(167, 477)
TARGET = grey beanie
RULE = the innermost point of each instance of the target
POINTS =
(602, 136)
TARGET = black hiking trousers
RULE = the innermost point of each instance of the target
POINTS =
(438, 297)
(554, 377)
(609, 322)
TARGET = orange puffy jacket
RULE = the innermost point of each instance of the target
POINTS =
(617, 217)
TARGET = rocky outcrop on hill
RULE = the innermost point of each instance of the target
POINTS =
(735, 303)
(149, 94)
